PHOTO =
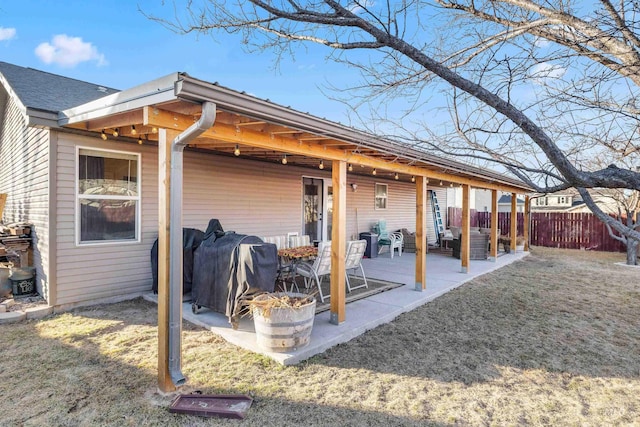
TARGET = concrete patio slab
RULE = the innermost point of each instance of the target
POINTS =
(443, 275)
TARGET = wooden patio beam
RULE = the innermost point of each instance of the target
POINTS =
(421, 233)
(165, 384)
(338, 242)
(236, 134)
(493, 252)
(465, 242)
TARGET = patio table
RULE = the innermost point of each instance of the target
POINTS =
(292, 257)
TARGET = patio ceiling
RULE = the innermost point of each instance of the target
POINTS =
(261, 130)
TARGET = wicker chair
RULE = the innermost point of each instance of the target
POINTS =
(478, 246)
(409, 240)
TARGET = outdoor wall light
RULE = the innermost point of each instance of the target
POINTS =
(236, 151)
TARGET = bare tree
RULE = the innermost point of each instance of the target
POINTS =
(539, 87)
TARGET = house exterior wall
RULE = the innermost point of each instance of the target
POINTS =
(24, 176)
(249, 197)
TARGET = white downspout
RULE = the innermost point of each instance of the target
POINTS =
(175, 238)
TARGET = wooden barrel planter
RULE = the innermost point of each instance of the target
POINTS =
(282, 327)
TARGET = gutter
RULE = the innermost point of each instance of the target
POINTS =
(175, 238)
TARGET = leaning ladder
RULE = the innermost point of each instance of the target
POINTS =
(437, 217)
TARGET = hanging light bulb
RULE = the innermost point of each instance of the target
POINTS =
(451, 185)
(236, 151)
(133, 130)
(140, 140)
(440, 182)
(321, 165)
(413, 178)
(115, 132)
(103, 135)
(396, 176)
(350, 167)
(426, 180)
(154, 130)
(284, 159)
(374, 172)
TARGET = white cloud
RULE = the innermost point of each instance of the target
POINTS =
(68, 52)
(7, 33)
(544, 71)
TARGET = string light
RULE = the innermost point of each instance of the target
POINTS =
(236, 151)
(133, 130)
(413, 178)
(284, 159)
(451, 185)
(103, 135)
(396, 176)
(374, 172)
(321, 165)
(441, 182)
(154, 130)
(140, 140)
(115, 132)
(350, 167)
(426, 180)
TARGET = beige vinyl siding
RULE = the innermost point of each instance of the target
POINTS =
(248, 197)
(24, 176)
(104, 271)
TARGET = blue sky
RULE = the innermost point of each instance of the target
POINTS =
(111, 43)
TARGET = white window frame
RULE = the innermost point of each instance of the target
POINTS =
(78, 197)
(376, 197)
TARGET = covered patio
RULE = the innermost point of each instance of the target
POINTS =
(443, 275)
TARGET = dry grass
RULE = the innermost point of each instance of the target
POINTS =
(551, 340)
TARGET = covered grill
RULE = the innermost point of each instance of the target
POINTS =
(230, 267)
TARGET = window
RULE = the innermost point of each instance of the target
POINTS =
(381, 196)
(108, 199)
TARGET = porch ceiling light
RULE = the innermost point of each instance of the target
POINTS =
(236, 151)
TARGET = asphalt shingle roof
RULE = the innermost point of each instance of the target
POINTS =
(50, 92)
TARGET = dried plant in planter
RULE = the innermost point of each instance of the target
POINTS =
(267, 302)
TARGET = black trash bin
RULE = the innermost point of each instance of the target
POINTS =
(372, 244)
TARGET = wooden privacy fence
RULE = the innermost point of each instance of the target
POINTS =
(550, 229)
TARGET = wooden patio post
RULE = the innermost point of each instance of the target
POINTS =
(165, 138)
(465, 246)
(421, 236)
(338, 242)
(493, 255)
(514, 222)
(527, 215)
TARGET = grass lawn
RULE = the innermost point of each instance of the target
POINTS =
(553, 339)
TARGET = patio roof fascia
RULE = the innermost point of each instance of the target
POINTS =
(181, 86)
(241, 103)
